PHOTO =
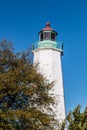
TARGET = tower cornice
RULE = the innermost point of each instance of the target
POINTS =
(51, 48)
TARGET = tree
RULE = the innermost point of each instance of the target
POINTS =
(24, 99)
(77, 120)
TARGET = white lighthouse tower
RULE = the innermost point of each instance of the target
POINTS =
(48, 54)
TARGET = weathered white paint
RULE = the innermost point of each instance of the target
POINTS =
(49, 60)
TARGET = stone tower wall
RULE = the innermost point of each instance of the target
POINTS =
(49, 60)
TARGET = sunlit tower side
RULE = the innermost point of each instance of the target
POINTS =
(48, 54)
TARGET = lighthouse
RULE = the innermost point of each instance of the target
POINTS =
(48, 52)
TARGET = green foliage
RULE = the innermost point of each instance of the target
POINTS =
(24, 99)
(77, 120)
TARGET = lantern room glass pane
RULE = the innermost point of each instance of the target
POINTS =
(47, 36)
(53, 36)
(41, 36)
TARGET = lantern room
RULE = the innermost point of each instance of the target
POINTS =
(47, 33)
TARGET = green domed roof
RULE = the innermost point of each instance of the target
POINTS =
(47, 44)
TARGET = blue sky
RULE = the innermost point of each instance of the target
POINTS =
(21, 20)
